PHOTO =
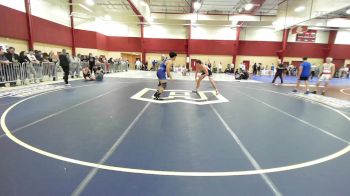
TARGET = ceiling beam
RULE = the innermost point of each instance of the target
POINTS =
(136, 11)
(259, 4)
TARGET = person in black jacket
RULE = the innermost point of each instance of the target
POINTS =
(279, 72)
(23, 57)
(255, 69)
(92, 63)
(11, 55)
(64, 63)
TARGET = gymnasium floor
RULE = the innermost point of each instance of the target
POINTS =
(111, 138)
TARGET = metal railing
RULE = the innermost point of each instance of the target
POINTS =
(25, 73)
(11, 72)
(118, 67)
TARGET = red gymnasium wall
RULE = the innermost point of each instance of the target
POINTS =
(15, 26)
(13, 23)
(213, 47)
(165, 45)
(259, 48)
(49, 32)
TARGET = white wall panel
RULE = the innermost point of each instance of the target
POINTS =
(213, 33)
(343, 37)
(112, 28)
(14, 4)
(261, 34)
(52, 10)
(322, 37)
(165, 31)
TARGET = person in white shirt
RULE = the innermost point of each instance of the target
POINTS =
(220, 67)
(75, 66)
(242, 67)
(30, 68)
(32, 57)
(326, 74)
(273, 69)
(138, 64)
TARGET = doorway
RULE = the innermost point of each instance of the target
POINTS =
(246, 64)
(193, 64)
(131, 58)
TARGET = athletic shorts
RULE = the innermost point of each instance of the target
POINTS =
(325, 77)
(161, 75)
(303, 78)
(209, 73)
(86, 76)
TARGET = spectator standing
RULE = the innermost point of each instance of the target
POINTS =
(3, 58)
(220, 67)
(255, 69)
(3, 62)
(313, 71)
(273, 69)
(75, 66)
(39, 55)
(279, 72)
(138, 64)
(146, 66)
(32, 57)
(30, 66)
(64, 63)
(258, 68)
(11, 55)
(242, 67)
(127, 65)
(209, 64)
(92, 63)
(23, 57)
(53, 58)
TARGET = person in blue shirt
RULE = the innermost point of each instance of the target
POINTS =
(163, 72)
(303, 75)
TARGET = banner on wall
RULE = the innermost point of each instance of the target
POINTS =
(308, 36)
(299, 29)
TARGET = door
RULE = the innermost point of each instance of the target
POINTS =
(247, 64)
(193, 64)
(131, 58)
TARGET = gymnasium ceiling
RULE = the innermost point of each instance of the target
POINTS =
(219, 11)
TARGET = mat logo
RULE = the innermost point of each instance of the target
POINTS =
(185, 96)
(25, 92)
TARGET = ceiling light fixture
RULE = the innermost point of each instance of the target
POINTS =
(299, 9)
(197, 5)
(347, 11)
(108, 17)
(248, 7)
(90, 2)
